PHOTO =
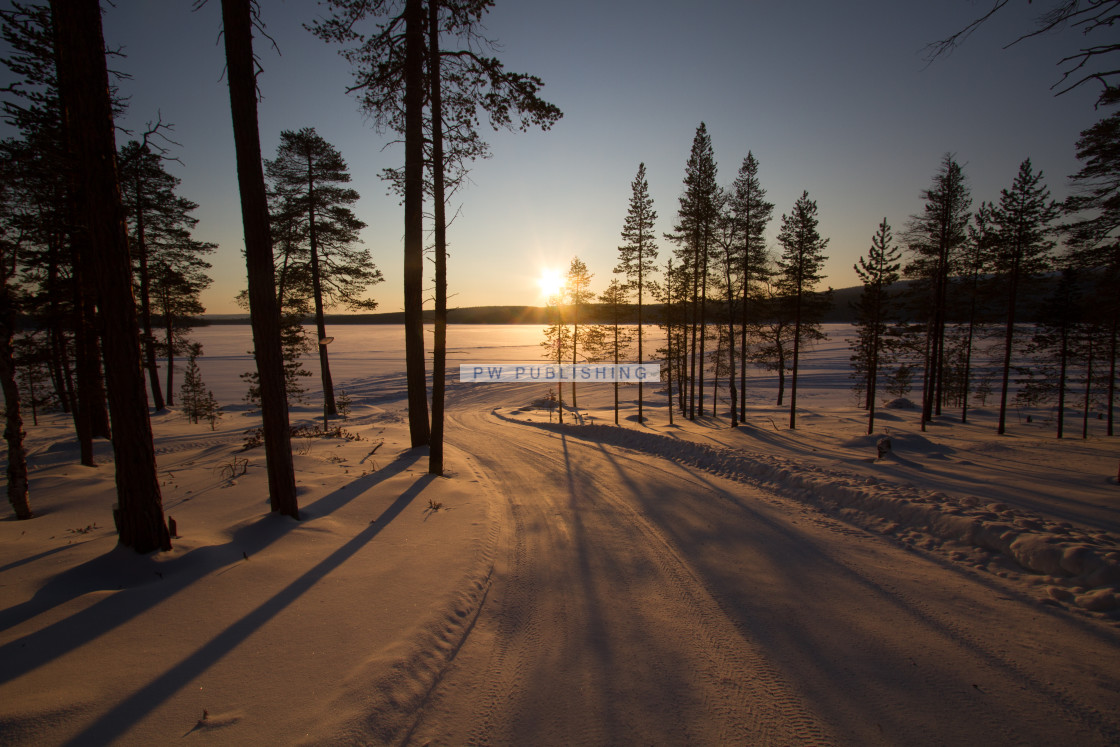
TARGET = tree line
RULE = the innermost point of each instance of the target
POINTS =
(98, 250)
(724, 299)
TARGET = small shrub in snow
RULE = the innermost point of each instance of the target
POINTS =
(197, 401)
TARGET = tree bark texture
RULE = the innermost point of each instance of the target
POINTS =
(264, 312)
(414, 95)
(88, 122)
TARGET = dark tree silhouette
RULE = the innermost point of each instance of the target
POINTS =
(160, 223)
(57, 253)
(974, 265)
(11, 239)
(237, 20)
(1023, 244)
(878, 270)
(799, 271)
(307, 178)
(670, 293)
(729, 240)
(751, 212)
(1094, 235)
(694, 232)
(400, 69)
(83, 83)
(934, 239)
(616, 339)
(636, 257)
(579, 295)
(557, 342)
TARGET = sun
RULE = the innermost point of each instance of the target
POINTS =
(551, 283)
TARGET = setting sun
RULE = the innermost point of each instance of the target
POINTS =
(551, 283)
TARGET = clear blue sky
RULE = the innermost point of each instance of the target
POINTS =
(831, 97)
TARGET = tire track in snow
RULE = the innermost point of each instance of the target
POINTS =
(1094, 723)
(572, 605)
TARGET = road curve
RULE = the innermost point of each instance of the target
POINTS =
(637, 602)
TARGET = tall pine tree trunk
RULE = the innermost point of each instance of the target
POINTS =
(1008, 340)
(1062, 380)
(330, 409)
(414, 95)
(873, 364)
(264, 312)
(83, 83)
(743, 342)
(149, 339)
(83, 336)
(731, 349)
(703, 320)
(1088, 389)
(796, 361)
(13, 420)
(695, 319)
(641, 284)
(169, 343)
(439, 344)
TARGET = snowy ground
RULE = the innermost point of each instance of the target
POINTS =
(576, 584)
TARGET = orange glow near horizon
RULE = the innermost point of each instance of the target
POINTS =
(551, 283)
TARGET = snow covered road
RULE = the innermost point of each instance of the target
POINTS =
(638, 601)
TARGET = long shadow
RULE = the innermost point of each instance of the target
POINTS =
(146, 583)
(40, 556)
(596, 633)
(149, 697)
(799, 569)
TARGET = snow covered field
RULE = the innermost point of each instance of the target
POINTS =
(570, 584)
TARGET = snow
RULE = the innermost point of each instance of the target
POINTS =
(583, 583)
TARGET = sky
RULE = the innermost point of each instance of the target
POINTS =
(833, 98)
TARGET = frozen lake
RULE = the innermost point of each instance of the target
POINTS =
(361, 351)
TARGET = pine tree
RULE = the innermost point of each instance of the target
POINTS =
(671, 294)
(160, 225)
(1092, 237)
(176, 291)
(557, 342)
(934, 239)
(308, 177)
(800, 268)
(750, 210)
(10, 246)
(83, 82)
(57, 254)
(192, 391)
(774, 329)
(694, 235)
(616, 337)
(398, 72)
(237, 19)
(636, 257)
(974, 264)
(579, 295)
(731, 264)
(878, 270)
(1022, 227)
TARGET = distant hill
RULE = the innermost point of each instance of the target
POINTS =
(841, 312)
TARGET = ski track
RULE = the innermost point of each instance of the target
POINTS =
(615, 616)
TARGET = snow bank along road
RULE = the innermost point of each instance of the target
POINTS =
(638, 601)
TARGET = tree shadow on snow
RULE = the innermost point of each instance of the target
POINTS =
(149, 697)
(144, 581)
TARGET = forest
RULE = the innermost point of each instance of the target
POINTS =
(102, 270)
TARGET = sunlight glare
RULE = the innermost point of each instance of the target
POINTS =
(551, 283)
